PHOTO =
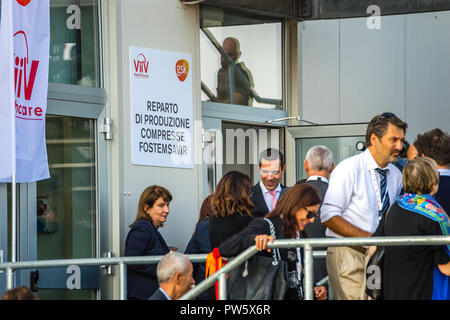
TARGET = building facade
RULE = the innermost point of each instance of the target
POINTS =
(316, 74)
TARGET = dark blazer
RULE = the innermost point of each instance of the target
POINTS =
(143, 240)
(442, 196)
(317, 230)
(260, 207)
(158, 295)
(199, 244)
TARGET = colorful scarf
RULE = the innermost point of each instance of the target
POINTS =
(427, 206)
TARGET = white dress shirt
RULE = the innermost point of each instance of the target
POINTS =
(312, 178)
(267, 196)
(352, 194)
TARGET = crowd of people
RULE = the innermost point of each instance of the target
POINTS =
(375, 193)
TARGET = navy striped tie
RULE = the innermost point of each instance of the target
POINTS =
(383, 191)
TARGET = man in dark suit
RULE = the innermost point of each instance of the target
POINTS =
(435, 144)
(174, 274)
(266, 192)
(318, 165)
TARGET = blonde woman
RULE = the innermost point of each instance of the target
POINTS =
(416, 272)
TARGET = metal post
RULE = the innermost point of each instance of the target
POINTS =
(122, 281)
(13, 220)
(9, 278)
(309, 293)
(223, 286)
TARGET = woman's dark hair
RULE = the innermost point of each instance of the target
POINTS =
(297, 197)
(19, 293)
(232, 195)
(205, 210)
(149, 197)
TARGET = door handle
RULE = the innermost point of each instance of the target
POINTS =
(34, 278)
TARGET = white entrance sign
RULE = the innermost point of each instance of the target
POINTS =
(161, 108)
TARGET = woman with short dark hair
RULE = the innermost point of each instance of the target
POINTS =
(144, 239)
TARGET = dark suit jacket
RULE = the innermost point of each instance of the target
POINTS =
(260, 207)
(317, 230)
(143, 240)
(158, 295)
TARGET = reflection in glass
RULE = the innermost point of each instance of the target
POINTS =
(66, 203)
(254, 45)
(341, 147)
(74, 42)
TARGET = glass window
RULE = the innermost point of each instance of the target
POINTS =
(253, 67)
(341, 147)
(74, 42)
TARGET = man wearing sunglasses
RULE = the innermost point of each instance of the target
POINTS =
(361, 190)
(268, 191)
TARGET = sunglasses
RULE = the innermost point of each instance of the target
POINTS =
(385, 115)
(311, 214)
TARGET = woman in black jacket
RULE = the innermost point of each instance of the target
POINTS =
(231, 207)
(297, 208)
(144, 239)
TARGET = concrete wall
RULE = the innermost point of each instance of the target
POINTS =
(349, 73)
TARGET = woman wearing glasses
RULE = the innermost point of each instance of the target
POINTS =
(297, 208)
(144, 239)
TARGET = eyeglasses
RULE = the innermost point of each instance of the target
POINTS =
(386, 115)
(270, 172)
(311, 214)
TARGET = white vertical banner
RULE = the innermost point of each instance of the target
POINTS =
(25, 31)
(161, 108)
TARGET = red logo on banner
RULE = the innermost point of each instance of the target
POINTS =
(141, 66)
(182, 69)
(23, 2)
(24, 77)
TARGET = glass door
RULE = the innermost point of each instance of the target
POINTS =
(66, 205)
(343, 140)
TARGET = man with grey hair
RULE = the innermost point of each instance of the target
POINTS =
(174, 273)
(318, 165)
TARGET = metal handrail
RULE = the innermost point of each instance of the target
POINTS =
(220, 275)
(308, 245)
(10, 267)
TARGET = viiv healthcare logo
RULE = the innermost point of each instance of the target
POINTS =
(141, 67)
(182, 69)
(23, 2)
(25, 72)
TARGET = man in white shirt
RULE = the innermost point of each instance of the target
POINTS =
(361, 190)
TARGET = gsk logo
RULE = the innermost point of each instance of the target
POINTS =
(182, 69)
(141, 66)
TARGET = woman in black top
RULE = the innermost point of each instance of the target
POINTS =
(297, 208)
(144, 239)
(231, 207)
(415, 272)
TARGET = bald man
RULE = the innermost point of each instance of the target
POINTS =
(241, 88)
